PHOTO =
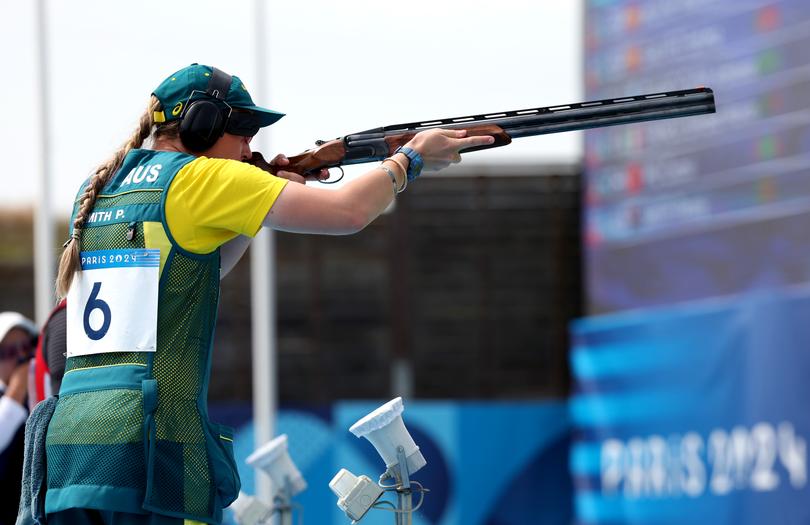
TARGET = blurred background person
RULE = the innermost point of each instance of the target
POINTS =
(18, 336)
(48, 365)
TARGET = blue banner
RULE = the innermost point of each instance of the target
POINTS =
(694, 414)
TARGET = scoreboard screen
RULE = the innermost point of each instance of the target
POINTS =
(701, 206)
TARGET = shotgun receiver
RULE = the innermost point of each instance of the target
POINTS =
(378, 143)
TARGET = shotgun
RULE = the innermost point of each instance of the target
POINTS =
(378, 143)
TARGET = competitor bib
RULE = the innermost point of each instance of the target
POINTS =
(113, 302)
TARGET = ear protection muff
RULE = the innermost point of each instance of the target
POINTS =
(204, 119)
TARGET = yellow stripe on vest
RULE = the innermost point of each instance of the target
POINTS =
(154, 236)
(104, 366)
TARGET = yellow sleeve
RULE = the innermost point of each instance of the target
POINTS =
(211, 201)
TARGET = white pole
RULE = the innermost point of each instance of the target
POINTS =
(263, 291)
(44, 259)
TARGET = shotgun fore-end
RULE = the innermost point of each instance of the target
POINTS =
(501, 137)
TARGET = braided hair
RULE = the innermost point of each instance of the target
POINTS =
(70, 263)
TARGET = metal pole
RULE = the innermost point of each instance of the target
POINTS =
(284, 503)
(286, 516)
(263, 344)
(263, 287)
(43, 223)
(404, 513)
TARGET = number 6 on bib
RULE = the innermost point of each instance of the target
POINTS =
(112, 303)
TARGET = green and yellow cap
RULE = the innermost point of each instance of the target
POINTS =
(192, 82)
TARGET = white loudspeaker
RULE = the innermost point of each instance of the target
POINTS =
(274, 459)
(385, 430)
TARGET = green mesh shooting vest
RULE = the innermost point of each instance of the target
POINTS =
(130, 432)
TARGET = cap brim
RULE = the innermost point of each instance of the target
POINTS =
(264, 116)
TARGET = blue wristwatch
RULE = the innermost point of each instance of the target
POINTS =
(415, 162)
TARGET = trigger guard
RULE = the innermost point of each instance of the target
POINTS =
(329, 180)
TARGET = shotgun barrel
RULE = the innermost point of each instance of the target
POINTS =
(572, 117)
(379, 143)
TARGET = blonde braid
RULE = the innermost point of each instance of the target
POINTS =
(70, 262)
